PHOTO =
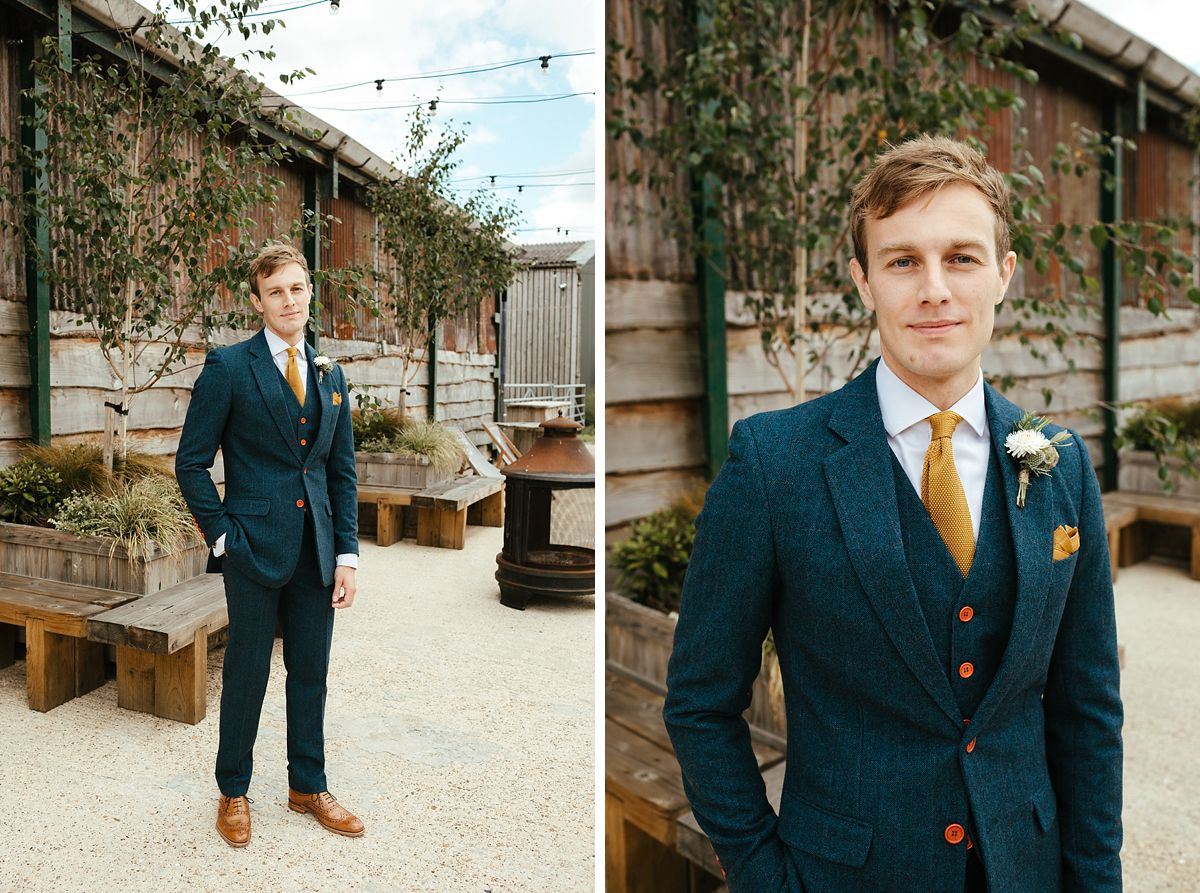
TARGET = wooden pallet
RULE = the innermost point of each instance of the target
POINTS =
(162, 647)
(60, 662)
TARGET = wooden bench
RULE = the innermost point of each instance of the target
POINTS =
(1128, 510)
(162, 647)
(649, 848)
(1117, 516)
(60, 662)
(389, 510)
(444, 509)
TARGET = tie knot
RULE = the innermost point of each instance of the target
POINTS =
(943, 424)
(292, 351)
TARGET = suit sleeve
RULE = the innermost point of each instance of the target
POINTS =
(728, 599)
(342, 478)
(1082, 704)
(199, 441)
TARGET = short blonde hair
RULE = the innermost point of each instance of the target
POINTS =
(920, 166)
(273, 256)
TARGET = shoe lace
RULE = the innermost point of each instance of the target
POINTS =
(327, 799)
(237, 804)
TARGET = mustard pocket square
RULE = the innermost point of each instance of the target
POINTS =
(337, 398)
(1066, 542)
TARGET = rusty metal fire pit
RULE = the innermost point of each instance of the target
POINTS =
(530, 563)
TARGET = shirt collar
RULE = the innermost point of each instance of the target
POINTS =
(277, 345)
(902, 407)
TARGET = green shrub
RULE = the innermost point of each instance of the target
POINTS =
(1171, 430)
(653, 559)
(372, 424)
(429, 439)
(136, 513)
(81, 466)
(29, 492)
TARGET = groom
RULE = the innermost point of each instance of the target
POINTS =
(949, 659)
(285, 535)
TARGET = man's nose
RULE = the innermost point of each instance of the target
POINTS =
(934, 288)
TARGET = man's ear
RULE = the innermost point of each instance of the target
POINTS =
(860, 282)
(255, 302)
(1008, 266)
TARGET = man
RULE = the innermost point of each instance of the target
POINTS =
(285, 536)
(949, 658)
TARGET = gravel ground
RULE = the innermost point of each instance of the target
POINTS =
(460, 731)
(1158, 622)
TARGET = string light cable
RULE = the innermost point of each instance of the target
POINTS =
(434, 103)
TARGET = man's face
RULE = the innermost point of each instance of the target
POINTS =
(934, 284)
(282, 301)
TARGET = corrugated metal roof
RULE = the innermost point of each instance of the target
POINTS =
(558, 253)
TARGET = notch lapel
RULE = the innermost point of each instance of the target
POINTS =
(864, 496)
(266, 375)
(325, 395)
(1032, 543)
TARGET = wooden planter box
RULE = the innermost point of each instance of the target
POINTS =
(639, 640)
(1138, 473)
(396, 470)
(56, 555)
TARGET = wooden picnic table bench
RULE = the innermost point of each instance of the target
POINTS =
(60, 662)
(443, 509)
(1134, 510)
(649, 847)
(162, 646)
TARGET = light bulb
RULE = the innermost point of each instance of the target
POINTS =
(334, 7)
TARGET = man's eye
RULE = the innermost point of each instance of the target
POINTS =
(964, 259)
(902, 262)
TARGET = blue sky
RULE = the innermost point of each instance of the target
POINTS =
(543, 146)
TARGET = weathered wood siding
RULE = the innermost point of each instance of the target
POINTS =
(541, 321)
(655, 446)
(81, 379)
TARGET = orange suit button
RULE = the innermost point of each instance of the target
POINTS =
(965, 669)
(971, 745)
(303, 442)
(970, 843)
(303, 420)
(966, 613)
(955, 833)
(299, 503)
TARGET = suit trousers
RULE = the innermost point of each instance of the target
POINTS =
(305, 614)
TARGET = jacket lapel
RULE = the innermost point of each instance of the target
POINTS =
(266, 374)
(864, 495)
(1031, 531)
(325, 395)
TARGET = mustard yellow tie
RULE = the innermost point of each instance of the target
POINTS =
(942, 491)
(293, 375)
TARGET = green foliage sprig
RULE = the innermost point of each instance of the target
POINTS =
(653, 559)
(136, 514)
(1171, 430)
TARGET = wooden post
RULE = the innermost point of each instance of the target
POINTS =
(135, 679)
(49, 666)
(179, 681)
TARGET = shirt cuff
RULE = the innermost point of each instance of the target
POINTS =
(347, 560)
(219, 546)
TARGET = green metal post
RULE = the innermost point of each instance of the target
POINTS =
(37, 287)
(710, 282)
(65, 34)
(431, 365)
(312, 247)
(1110, 279)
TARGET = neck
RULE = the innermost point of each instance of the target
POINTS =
(290, 340)
(941, 392)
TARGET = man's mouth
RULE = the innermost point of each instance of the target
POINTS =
(934, 326)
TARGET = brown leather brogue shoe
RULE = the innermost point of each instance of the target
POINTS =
(233, 820)
(327, 811)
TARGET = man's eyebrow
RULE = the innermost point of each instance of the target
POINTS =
(906, 247)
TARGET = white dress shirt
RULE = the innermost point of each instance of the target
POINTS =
(279, 349)
(904, 414)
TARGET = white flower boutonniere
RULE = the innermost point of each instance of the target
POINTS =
(323, 364)
(1034, 451)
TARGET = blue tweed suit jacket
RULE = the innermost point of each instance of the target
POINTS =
(271, 481)
(800, 534)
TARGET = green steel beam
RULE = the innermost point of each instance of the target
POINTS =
(1114, 123)
(431, 365)
(312, 245)
(710, 282)
(37, 287)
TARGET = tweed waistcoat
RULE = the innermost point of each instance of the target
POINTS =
(306, 418)
(969, 620)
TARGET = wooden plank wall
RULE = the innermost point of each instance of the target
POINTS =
(655, 448)
(81, 380)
